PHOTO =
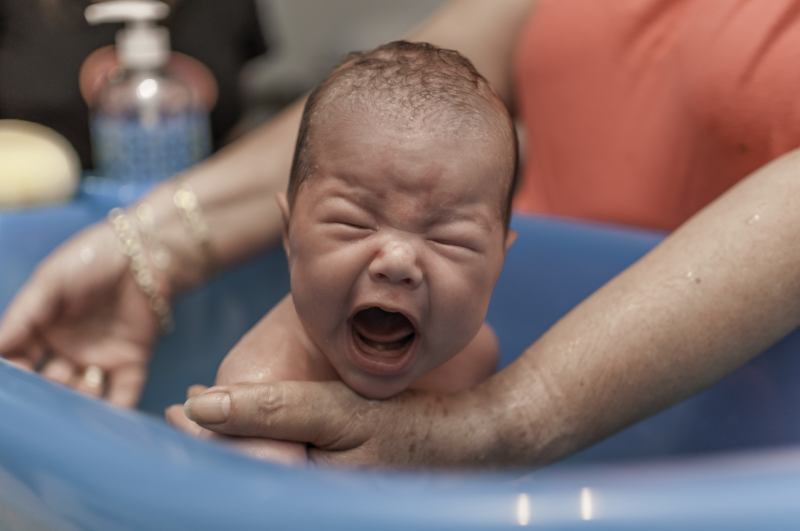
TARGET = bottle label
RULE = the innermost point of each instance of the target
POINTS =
(127, 149)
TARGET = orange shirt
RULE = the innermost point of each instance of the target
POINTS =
(643, 111)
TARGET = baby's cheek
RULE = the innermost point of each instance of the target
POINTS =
(457, 317)
(464, 299)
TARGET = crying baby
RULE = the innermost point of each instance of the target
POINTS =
(396, 226)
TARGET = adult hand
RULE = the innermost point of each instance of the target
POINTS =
(287, 453)
(413, 429)
(82, 309)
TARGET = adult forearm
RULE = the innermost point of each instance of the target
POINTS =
(236, 191)
(483, 33)
(713, 295)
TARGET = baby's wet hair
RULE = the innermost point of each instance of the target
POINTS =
(410, 82)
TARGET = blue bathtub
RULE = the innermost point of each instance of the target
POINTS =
(728, 458)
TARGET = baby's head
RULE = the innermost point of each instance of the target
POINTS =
(396, 218)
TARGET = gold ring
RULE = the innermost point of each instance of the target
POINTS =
(93, 376)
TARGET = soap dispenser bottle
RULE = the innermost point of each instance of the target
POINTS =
(146, 125)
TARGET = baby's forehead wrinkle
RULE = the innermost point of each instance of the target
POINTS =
(333, 121)
(421, 214)
(406, 175)
(336, 186)
(423, 203)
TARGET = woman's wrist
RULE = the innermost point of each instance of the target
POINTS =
(186, 267)
(476, 428)
(131, 233)
(165, 240)
(508, 421)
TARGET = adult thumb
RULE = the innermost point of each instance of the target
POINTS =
(325, 414)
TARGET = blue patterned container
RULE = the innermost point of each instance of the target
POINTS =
(128, 150)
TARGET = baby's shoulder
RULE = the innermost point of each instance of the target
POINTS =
(277, 348)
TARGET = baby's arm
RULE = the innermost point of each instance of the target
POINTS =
(469, 367)
(276, 348)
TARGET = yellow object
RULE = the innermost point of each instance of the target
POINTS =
(37, 165)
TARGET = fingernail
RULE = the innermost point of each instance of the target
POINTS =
(210, 408)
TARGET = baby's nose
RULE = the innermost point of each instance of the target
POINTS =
(396, 263)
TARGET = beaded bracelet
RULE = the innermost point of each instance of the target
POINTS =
(130, 245)
(189, 208)
(159, 254)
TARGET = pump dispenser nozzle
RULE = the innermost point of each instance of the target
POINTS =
(142, 44)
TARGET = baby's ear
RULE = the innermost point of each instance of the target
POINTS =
(511, 237)
(283, 204)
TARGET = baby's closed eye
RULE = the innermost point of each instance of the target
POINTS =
(455, 242)
(348, 227)
(352, 224)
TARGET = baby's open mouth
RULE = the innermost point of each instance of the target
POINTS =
(381, 333)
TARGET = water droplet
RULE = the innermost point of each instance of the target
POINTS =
(754, 219)
(87, 255)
